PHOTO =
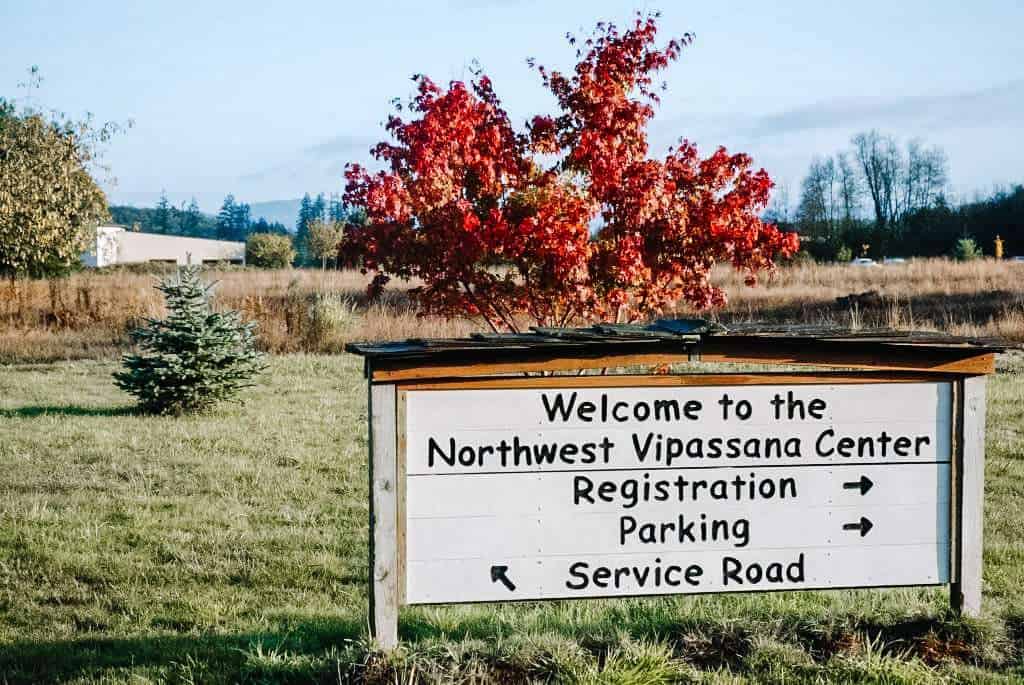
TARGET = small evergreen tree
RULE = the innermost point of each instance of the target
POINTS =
(966, 250)
(194, 358)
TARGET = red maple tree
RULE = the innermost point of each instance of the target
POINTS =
(570, 220)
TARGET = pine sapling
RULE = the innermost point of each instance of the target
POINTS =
(194, 358)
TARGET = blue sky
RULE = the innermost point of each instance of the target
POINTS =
(268, 100)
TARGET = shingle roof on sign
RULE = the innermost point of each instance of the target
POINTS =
(667, 334)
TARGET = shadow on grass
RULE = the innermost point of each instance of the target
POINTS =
(322, 649)
(711, 644)
(66, 410)
(220, 658)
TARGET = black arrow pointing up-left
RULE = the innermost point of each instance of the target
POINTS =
(863, 526)
(500, 573)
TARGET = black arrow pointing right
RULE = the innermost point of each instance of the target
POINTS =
(863, 526)
(500, 573)
(864, 484)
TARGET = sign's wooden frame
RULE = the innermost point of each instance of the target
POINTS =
(386, 410)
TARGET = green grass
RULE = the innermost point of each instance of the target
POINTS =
(232, 548)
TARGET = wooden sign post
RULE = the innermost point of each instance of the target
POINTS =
(503, 488)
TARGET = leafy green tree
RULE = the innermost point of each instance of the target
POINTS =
(49, 203)
(193, 359)
(324, 240)
(269, 250)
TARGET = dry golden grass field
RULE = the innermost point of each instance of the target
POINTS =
(87, 315)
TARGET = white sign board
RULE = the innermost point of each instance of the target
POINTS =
(537, 493)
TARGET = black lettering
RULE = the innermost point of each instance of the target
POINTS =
(579, 570)
(641, 452)
(827, 433)
(545, 453)
(666, 410)
(558, 406)
(785, 483)
(731, 568)
(586, 411)
(741, 532)
(816, 408)
(795, 570)
(467, 456)
(568, 451)
(433, 449)
(692, 409)
(744, 409)
(581, 487)
(627, 524)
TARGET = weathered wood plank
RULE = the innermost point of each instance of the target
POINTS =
(961, 361)
(674, 380)
(536, 577)
(965, 593)
(490, 495)
(385, 593)
(473, 424)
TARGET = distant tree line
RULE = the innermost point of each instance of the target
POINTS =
(232, 222)
(879, 198)
(319, 228)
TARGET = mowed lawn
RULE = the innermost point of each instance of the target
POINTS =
(232, 548)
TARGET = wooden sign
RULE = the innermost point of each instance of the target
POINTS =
(535, 493)
(506, 489)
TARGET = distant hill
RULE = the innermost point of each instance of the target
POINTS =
(282, 211)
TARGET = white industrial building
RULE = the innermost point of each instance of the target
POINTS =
(118, 245)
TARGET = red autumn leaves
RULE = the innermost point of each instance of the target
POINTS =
(569, 221)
